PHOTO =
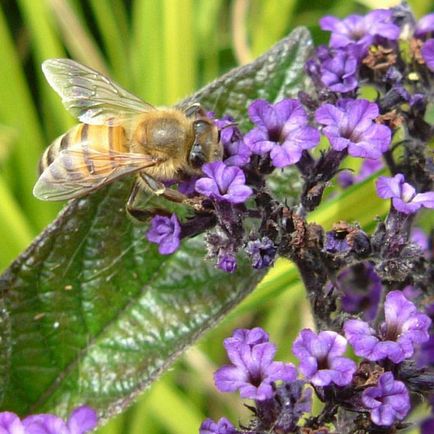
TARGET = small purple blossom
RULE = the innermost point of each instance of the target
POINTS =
(388, 401)
(237, 153)
(10, 423)
(335, 243)
(403, 195)
(82, 420)
(281, 129)
(250, 337)
(165, 231)
(253, 370)
(223, 426)
(262, 252)
(361, 31)
(45, 424)
(428, 53)
(350, 125)
(187, 186)
(419, 237)
(223, 183)
(425, 26)
(427, 426)
(339, 71)
(320, 358)
(227, 262)
(403, 328)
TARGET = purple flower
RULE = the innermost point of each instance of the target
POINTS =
(428, 53)
(281, 129)
(425, 354)
(223, 183)
(424, 26)
(403, 195)
(335, 243)
(338, 71)
(253, 370)
(427, 426)
(262, 252)
(388, 401)
(320, 358)
(237, 153)
(227, 262)
(187, 186)
(362, 290)
(223, 426)
(403, 328)
(45, 424)
(82, 420)
(165, 232)
(350, 125)
(419, 237)
(361, 31)
(10, 423)
(249, 337)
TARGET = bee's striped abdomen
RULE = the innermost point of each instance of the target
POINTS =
(84, 138)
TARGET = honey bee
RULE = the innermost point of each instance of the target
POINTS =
(120, 135)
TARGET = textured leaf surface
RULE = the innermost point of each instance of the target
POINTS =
(90, 313)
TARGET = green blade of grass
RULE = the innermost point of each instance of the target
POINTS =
(269, 22)
(184, 418)
(115, 41)
(147, 45)
(18, 111)
(46, 44)
(179, 72)
(15, 231)
(76, 36)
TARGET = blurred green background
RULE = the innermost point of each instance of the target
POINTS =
(161, 50)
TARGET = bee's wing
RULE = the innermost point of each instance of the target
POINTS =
(91, 96)
(75, 173)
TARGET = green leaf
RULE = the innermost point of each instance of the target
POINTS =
(91, 312)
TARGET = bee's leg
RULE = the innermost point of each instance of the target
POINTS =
(160, 189)
(194, 109)
(133, 210)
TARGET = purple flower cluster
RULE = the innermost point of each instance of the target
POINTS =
(404, 328)
(346, 271)
(82, 420)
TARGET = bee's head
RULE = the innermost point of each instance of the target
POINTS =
(206, 145)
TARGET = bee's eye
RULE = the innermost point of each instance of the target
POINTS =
(197, 158)
(219, 134)
(200, 126)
